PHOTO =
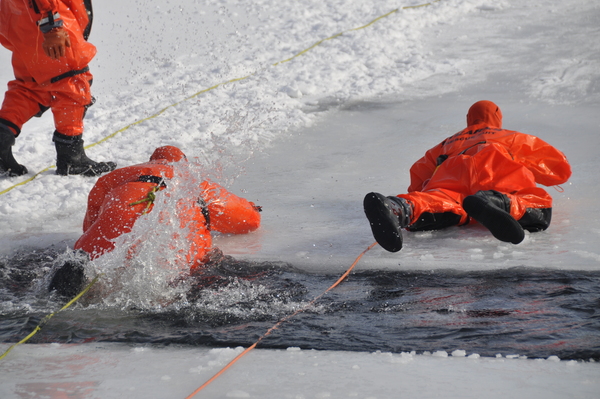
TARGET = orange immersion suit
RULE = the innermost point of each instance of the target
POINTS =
(40, 81)
(119, 198)
(482, 157)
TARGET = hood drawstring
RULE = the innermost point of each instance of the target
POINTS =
(151, 196)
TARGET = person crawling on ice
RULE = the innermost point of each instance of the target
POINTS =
(482, 173)
(121, 197)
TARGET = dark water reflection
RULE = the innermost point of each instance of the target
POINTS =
(518, 311)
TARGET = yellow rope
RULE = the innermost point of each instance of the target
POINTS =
(222, 84)
(26, 181)
(48, 317)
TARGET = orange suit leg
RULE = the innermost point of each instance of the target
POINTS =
(71, 98)
(24, 98)
(435, 209)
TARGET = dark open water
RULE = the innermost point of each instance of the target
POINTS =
(529, 312)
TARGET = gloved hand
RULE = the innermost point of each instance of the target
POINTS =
(55, 43)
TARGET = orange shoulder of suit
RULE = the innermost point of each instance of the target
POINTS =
(548, 165)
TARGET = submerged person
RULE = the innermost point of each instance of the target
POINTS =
(482, 173)
(50, 57)
(121, 197)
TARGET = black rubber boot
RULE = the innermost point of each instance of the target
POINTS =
(8, 164)
(69, 279)
(492, 209)
(387, 215)
(71, 158)
(536, 219)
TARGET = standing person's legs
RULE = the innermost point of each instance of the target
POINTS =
(23, 100)
(71, 98)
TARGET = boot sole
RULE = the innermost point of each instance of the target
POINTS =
(384, 224)
(91, 170)
(502, 226)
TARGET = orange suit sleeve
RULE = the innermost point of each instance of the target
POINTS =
(548, 165)
(229, 213)
(45, 6)
(105, 185)
(96, 196)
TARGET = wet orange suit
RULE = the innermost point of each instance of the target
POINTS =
(484, 156)
(42, 82)
(119, 198)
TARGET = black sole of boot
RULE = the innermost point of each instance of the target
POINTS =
(502, 226)
(384, 224)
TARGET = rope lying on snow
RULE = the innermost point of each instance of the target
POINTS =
(219, 85)
(280, 322)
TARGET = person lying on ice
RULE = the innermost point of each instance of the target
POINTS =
(121, 197)
(484, 173)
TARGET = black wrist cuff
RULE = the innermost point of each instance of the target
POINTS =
(52, 21)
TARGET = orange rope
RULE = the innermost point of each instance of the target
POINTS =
(280, 322)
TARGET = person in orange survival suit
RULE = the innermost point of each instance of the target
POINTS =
(50, 56)
(484, 173)
(119, 198)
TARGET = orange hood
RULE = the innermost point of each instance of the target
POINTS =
(169, 153)
(485, 112)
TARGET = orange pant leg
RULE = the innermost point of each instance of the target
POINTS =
(68, 98)
(71, 98)
(534, 197)
(483, 167)
(22, 101)
(435, 209)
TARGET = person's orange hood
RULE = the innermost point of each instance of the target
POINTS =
(169, 153)
(485, 112)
